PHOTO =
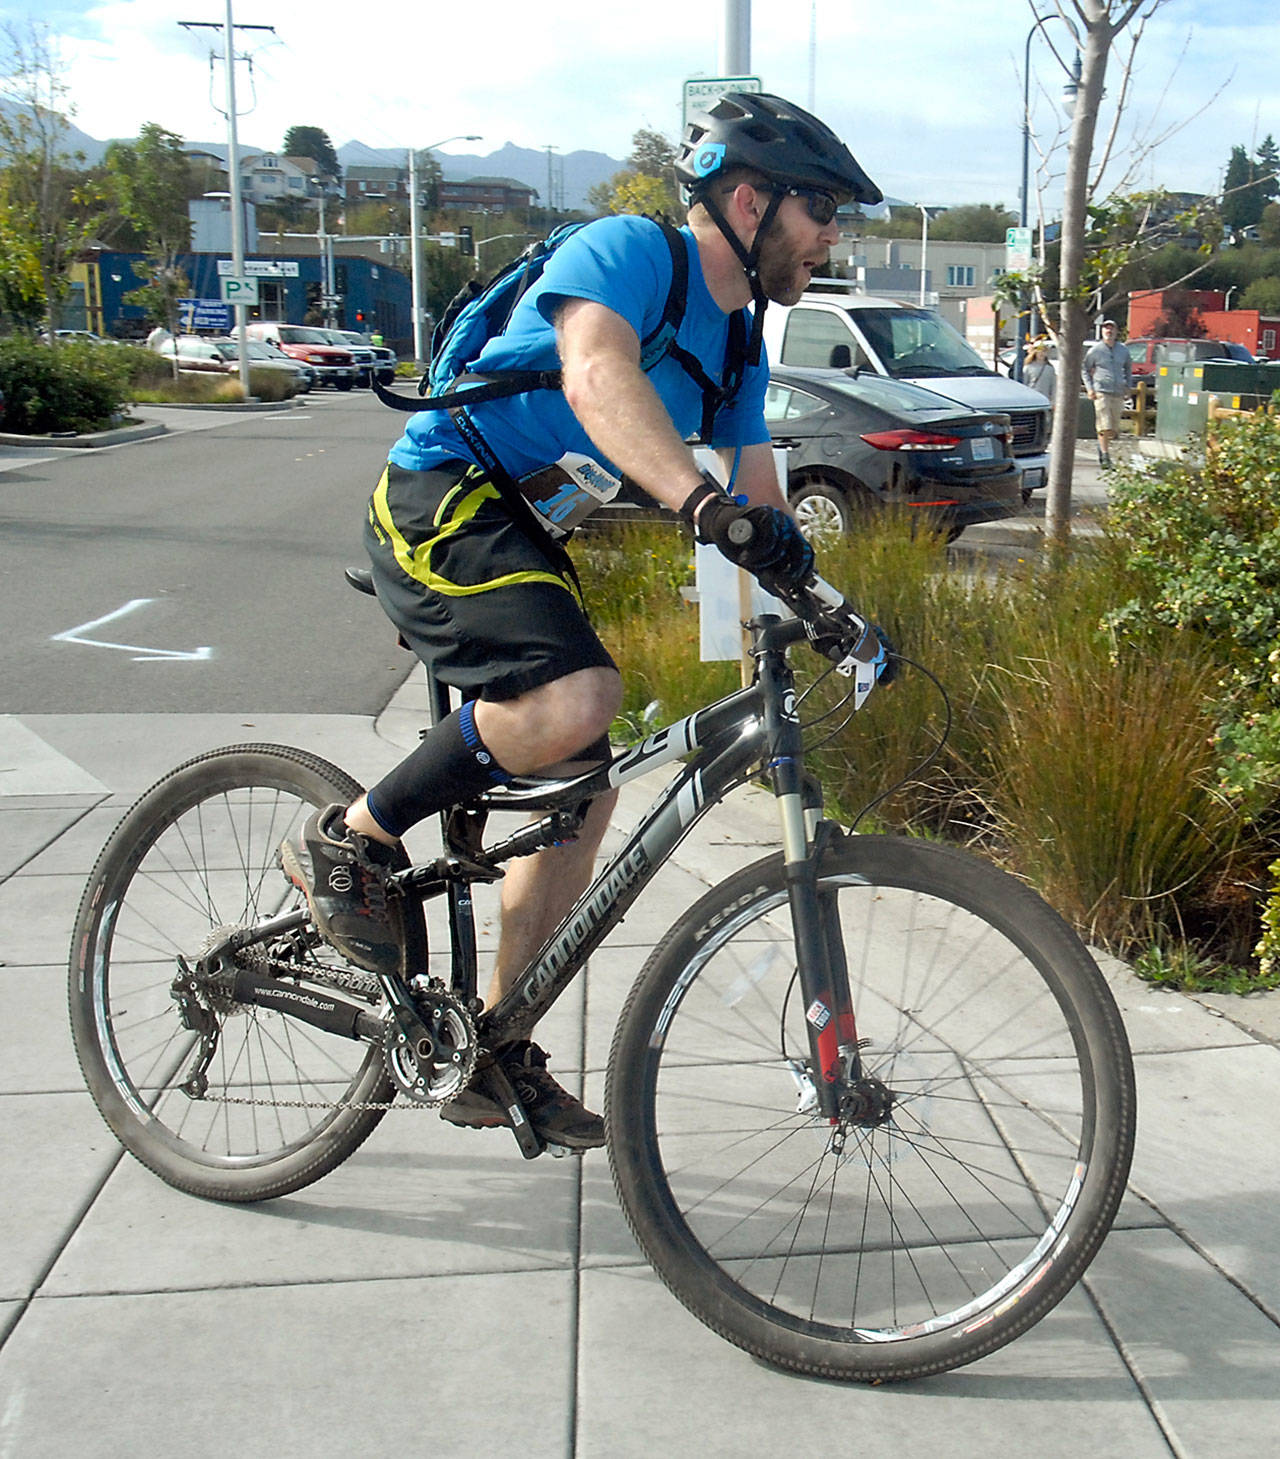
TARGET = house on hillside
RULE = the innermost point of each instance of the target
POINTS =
(486, 195)
(266, 177)
(364, 182)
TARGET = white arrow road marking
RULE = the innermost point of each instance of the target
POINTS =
(140, 654)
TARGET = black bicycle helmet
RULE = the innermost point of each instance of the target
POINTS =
(775, 138)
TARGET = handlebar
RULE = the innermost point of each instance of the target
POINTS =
(856, 646)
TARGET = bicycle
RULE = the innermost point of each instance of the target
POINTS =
(869, 1104)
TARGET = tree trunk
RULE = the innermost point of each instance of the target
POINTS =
(1074, 311)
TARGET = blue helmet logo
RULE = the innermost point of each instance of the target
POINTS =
(708, 159)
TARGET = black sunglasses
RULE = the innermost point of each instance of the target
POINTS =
(821, 205)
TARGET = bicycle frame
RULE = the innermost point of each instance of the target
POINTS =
(724, 740)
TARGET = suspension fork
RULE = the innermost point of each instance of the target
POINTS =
(820, 959)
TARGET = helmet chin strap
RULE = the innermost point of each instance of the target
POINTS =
(750, 261)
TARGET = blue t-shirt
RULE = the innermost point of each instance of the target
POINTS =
(625, 264)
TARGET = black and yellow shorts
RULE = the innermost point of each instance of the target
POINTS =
(480, 602)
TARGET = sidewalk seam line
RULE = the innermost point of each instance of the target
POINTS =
(73, 1226)
(1154, 1406)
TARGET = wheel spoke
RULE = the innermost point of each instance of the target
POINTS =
(969, 1173)
(195, 859)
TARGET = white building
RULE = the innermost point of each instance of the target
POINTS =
(954, 272)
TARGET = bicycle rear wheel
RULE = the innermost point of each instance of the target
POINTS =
(943, 1222)
(193, 859)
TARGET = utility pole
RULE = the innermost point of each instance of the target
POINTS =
(415, 244)
(735, 57)
(229, 28)
(415, 264)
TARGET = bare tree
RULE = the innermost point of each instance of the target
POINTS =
(49, 193)
(1100, 24)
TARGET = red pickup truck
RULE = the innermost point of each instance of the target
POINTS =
(333, 366)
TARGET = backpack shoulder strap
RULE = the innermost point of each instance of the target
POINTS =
(660, 340)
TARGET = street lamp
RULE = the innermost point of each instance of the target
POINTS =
(1069, 91)
(415, 249)
(924, 248)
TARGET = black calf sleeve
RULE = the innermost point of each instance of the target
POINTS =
(452, 764)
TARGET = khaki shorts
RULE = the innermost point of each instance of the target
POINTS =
(1107, 410)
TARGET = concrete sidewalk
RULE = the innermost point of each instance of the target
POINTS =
(438, 1295)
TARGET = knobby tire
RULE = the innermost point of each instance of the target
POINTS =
(197, 855)
(934, 1236)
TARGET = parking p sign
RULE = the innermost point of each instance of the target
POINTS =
(238, 291)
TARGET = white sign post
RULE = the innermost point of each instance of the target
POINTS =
(238, 291)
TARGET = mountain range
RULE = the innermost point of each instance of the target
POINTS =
(573, 172)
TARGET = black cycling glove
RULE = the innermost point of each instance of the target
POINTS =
(764, 540)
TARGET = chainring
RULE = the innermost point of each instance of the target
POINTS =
(435, 1061)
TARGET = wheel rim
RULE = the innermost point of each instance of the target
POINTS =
(921, 1225)
(274, 1083)
(820, 516)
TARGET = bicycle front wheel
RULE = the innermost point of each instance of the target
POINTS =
(194, 859)
(960, 1203)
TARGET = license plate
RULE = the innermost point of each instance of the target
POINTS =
(984, 448)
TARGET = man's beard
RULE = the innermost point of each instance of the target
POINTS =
(782, 275)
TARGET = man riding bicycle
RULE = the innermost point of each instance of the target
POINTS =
(486, 597)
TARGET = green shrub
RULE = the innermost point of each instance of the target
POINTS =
(73, 386)
(1081, 757)
(632, 577)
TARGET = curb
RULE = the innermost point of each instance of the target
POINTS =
(1017, 532)
(249, 406)
(96, 438)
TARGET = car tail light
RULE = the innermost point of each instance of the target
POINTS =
(908, 440)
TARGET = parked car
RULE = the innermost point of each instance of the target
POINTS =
(371, 360)
(833, 327)
(308, 346)
(1148, 355)
(261, 352)
(79, 336)
(859, 440)
(362, 354)
(384, 360)
(197, 355)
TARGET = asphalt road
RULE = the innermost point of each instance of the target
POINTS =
(230, 539)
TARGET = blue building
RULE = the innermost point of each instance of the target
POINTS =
(372, 294)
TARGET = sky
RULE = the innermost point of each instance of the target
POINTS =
(927, 94)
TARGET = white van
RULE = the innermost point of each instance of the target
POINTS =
(834, 328)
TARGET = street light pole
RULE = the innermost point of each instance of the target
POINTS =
(415, 243)
(1069, 95)
(237, 205)
(924, 248)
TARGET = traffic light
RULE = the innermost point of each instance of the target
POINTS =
(466, 241)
